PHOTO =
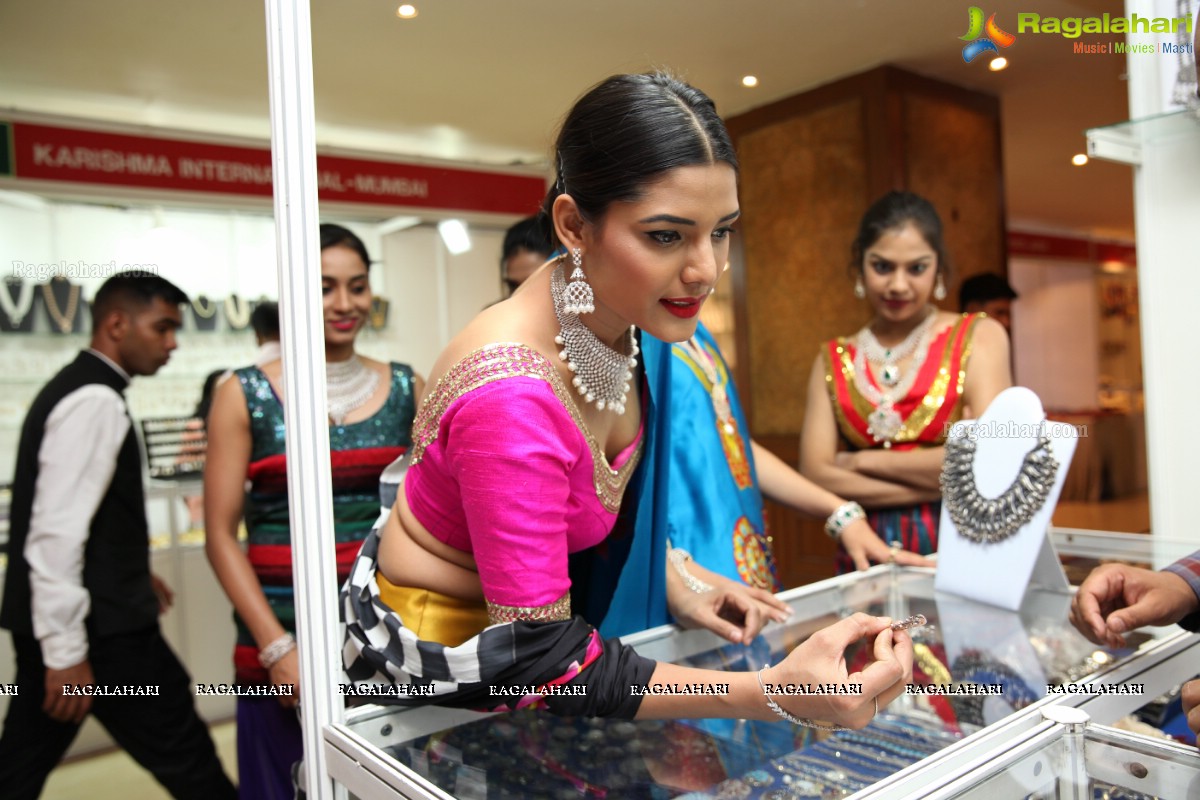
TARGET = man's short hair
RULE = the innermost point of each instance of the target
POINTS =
(982, 288)
(132, 291)
(265, 320)
(532, 234)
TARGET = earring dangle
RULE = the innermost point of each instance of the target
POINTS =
(579, 298)
(939, 290)
(860, 291)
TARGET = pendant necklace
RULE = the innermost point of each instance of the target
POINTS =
(16, 309)
(602, 375)
(720, 397)
(884, 422)
(985, 520)
(64, 320)
(348, 385)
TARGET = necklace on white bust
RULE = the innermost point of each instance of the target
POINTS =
(64, 319)
(884, 423)
(987, 520)
(720, 396)
(602, 375)
(348, 385)
(237, 312)
(16, 309)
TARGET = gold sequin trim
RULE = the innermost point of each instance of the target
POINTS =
(496, 362)
(557, 611)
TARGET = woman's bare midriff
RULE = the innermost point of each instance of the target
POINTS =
(410, 556)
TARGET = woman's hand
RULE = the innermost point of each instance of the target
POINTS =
(286, 672)
(822, 660)
(732, 610)
(863, 546)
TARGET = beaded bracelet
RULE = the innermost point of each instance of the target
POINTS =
(678, 557)
(842, 516)
(273, 653)
(790, 717)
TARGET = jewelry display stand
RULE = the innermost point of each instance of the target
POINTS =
(17, 301)
(64, 305)
(999, 572)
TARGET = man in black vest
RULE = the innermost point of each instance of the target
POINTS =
(78, 595)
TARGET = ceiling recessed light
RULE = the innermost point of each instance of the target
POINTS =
(1079, 159)
(998, 63)
(406, 11)
(749, 80)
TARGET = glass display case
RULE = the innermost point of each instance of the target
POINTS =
(1068, 757)
(995, 670)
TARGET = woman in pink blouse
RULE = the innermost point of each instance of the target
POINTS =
(534, 424)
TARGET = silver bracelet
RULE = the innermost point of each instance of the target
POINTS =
(792, 718)
(842, 516)
(678, 557)
(273, 653)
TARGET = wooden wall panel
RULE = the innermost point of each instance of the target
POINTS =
(959, 169)
(801, 187)
(811, 164)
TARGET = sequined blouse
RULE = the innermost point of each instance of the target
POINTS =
(504, 468)
(359, 453)
(933, 402)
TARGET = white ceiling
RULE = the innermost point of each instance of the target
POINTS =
(487, 80)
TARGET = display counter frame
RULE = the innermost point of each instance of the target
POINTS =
(357, 750)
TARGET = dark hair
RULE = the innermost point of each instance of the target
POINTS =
(532, 234)
(206, 394)
(984, 287)
(337, 236)
(264, 319)
(895, 210)
(133, 290)
(628, 130)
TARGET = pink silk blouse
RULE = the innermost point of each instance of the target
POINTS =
(504, 468)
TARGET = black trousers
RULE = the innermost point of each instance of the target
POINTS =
(163, 734)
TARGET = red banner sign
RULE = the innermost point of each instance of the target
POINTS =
(72, 155)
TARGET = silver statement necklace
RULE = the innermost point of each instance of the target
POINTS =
(348, 384)
(602, 375)
(885, 422)
(16, 309)
(889, 358)
(987, 520)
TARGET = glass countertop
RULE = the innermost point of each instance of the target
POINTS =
(532, 754)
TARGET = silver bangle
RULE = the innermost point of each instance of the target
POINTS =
(678, 557)
(842, 516)
(792, 718)
(273, 653)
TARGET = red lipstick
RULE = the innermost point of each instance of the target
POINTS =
(683, 307)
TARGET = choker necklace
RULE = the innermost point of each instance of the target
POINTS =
(16, 309)
(885, 422)
(348, 384)
(989, 520)
(602, 375)
(889, 357)
(65, 320)
(237, 312)
(720, 398)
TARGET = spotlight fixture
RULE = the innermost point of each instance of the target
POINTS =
(749, 81)
(406, 11)
(1079, 159)
(998, 63)
(454, 236)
